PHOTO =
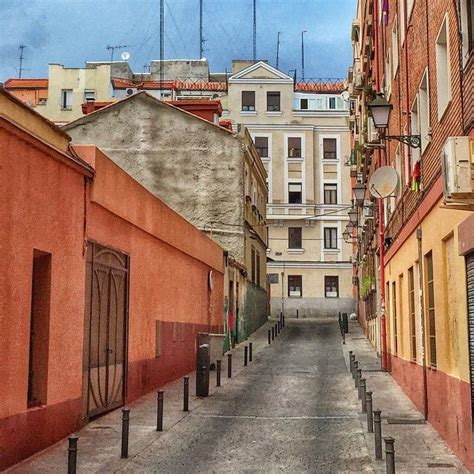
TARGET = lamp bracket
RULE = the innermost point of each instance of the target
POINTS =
(413, 141)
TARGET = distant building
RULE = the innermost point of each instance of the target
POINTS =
(303, 141)
(211, 176)
(32, 92)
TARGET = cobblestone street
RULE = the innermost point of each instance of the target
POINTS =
(293, 409)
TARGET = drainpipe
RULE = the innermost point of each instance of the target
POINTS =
(419, 235)
(383, 323)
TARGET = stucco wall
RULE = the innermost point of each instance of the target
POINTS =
(192, 165)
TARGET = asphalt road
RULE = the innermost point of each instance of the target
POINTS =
(293, 409)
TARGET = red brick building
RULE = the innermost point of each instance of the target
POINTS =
(103, 286)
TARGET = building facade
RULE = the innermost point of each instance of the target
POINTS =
(303, 141)
(210, 175)
(87, 323)
(419, 56)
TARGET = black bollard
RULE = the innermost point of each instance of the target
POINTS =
(378, 434)
(283, 320)
(358, 377)
(246, 354)
(279, 326)
(218, 373)
(276, 330)
(354, 373)
(269, 337)
(186, 393)
(363, 395)
(273, 333)
(229, 366)
(353, 358)
(389, 455)
(250, 351)
(350, 362)
(370, 415)
(159, 411)
(72, 455)
(125, 431)
(297, 314)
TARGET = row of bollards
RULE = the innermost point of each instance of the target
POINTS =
(276, 329)
(374, 417)
(248, 357)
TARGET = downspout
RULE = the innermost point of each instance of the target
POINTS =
(383, 323)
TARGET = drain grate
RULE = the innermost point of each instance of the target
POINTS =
(406, 421)
(440, 465)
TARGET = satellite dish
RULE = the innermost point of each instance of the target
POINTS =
(125, 56)
(383, 182)
(345, 96)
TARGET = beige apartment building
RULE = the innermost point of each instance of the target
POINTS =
(303, 140)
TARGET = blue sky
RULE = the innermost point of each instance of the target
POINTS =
(73, 31)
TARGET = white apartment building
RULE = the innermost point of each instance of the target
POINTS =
(303, 140)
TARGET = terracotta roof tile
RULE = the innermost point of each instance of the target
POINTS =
(26, 84)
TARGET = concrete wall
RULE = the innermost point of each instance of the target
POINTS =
(193, 69)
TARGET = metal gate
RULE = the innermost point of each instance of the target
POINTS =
(470, 319)
(105, 329)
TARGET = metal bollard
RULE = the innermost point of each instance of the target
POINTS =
(370, 415)
(276, 330)
(125, 431)
(350, 362)
(358, 377)
(186, 393)
(273, 333)
(159, 411)
(269, 336)
(389, 455)
(246, 355)
(363, 395)
(283, 320)
(229, 366)
(250, 351)
(72, 454)
(297, 314)
(218, 373)
(378, 434)
(279, 326)
(354, 372)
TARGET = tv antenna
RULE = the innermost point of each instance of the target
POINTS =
(21, 68)
(113, 48)
(278, 49)
(384, 182)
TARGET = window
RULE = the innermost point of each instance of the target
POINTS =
(295, 237)
(409, 8)
(332, 103)
(330, 193)
(294, 147)
(42, 101)
(430, 307)
(304, 104)
(273, 101)
(331, 286)
(415, 130)
(330, 237)
(295, 286)
(261, 144)
(257, 264)
(253, 268)
(329, 148)
(388, 74)
(395, 48)
(467, 28)
(411, 310)
(89, 95)
(248, 101)
(394, 315)
(39, 328)
(443, 75)
(295, 193)
(66, 99)
(424, 111)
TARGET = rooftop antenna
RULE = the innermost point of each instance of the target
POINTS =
(113, 48)
(278, 50)
(21, 69)
(302, 54)
(162, 40)
(254, 30)
(201, 37)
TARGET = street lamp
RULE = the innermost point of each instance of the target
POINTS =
(380, 110)
(346, 235)
(359, 193)
(350, 227)
(353, 215)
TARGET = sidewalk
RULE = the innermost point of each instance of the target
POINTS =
(418, 447)
(100, 441)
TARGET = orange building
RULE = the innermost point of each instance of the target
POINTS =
(32, 92)
(103, 287)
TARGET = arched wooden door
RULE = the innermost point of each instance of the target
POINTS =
(105, 329)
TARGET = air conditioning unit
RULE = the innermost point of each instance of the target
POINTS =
(457, 160)
(131, 90)
(372, 132)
